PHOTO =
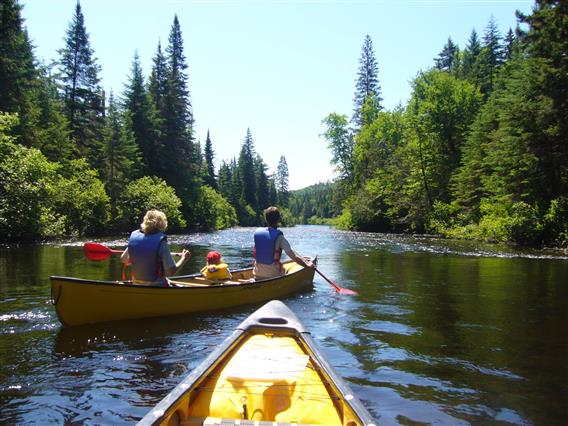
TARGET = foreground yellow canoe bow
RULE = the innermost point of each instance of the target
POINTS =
(267, 372)
(79, 301)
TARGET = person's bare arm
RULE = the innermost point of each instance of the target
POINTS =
(293, 255)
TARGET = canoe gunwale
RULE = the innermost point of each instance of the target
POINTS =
(255, 324)
(130, 284)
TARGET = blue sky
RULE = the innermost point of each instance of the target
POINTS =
(276, 67)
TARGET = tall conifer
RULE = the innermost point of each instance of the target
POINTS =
(247, 172)
(261, 184)
(177, 117)
(121, 154)
(145, 125)
(471, 59)
(281, 182)
(209, 163)
(81, 90)
(367, 89)
(447, 59)
(492, 56)
(158, 80)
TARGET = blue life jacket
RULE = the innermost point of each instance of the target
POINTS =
(143, 250)
(264, 245)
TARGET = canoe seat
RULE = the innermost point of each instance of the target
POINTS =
(206, 421)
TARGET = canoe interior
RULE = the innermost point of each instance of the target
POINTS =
(263, 378)
(238, 277)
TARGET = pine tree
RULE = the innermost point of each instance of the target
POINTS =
(122, 158)
(491, 57)
(158, 80)
(367, 89)
(145, 125)
(471, 59)
(16, 62)
(281, 181)
(510, 43)
(19, 81)
(81, 90)
(247, 172)
(448, 57)
(179, 153)
(261, 184)
(225, 183)
(546, 86)
(52, 132)
(272, 193)
(209, 163)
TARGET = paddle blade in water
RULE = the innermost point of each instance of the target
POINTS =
(338, 289)
(94, 251)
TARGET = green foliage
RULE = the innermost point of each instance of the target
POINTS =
(149, 193)
(40, 198)
(81, 91)
(143, 120)
(281, 181)
(313, 203)
(121, 155)
(340, 141)
(26, 187)
(343, 221)
(209, 163)
(556, 222)
(79, 198)
(368, 212)
(214, 210)
(288, 219)
(367, 100)
(447, 59)
(246, 214)
(247, 173)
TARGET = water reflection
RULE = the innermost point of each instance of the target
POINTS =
(440, 332)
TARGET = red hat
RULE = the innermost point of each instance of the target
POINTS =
(213, 257)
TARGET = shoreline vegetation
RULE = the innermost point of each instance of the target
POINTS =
(479, 152)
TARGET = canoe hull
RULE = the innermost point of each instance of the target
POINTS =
(268, 371)
(79, 301)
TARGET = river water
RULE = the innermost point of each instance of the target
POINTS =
(441, 332)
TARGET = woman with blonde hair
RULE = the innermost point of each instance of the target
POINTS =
(148, 252)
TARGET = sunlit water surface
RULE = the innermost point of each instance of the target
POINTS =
(441, 332)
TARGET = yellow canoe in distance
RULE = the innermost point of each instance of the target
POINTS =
(81, 301)
(267, 372)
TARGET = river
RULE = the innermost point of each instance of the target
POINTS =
(441, 332)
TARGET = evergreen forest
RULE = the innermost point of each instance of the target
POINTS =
(76, 161)
(480, 151)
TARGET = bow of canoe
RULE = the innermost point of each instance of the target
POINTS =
(268, 371)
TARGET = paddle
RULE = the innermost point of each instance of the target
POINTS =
(95, 251)
(338, 289)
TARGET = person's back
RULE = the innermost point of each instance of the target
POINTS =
(268, 245)
(144, 251)
(148, 252)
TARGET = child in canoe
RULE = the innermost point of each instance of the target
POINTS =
(215, 269)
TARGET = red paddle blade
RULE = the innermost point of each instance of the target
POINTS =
(94, 251)
(346, 291)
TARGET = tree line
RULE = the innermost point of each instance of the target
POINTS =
(75, 160)
(480, 151)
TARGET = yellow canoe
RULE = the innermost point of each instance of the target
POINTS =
(267, 372)
(79, 301)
